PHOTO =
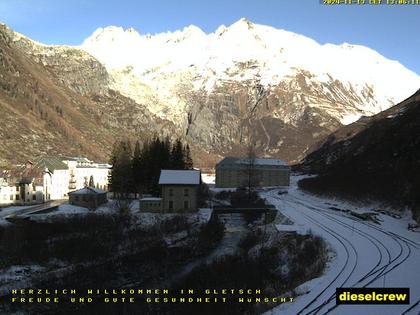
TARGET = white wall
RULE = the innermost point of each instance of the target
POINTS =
(8, 195)
(59, 184)
(5, 193)
(83, 170)
(100, 177)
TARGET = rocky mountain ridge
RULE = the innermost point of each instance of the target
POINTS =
(51, 105)
(217, 90)
(246, 52)
(247, 80)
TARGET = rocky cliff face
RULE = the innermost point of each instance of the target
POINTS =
(217, 91)
(72, 67)
(234, 115)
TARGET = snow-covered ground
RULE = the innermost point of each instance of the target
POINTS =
(235, 229)
(16, 276)
(48, 207)
(297, 228)
(145, 219)
(209, 179)
(4, 212)
(362, 254)
(19, 272)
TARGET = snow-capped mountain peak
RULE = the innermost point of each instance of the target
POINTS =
(218, 89)
(111, 34)
(247, 51)
(242, 24)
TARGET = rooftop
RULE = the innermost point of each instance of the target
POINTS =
(77, 159)
(151, 199)
(50, 162)
(179, 177)
(257, 161)
(88, 191)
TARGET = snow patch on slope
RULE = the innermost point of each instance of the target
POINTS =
(243, 51)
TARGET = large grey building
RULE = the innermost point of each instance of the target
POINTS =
(240, 172)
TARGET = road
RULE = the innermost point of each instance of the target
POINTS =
(15, 211)
(364, 254)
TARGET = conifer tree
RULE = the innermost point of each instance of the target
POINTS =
(177, 156)
(137, 168)
(188, 162)
(91, 182)
(121, 173)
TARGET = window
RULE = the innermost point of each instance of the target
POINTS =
(171, 192)
(186, 204)
(17, 197)
(186, 192)
(171, 204)
(17, 188)
(33, 197)
(11, 197)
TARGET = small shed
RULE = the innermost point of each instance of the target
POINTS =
(88, 197)
(150, 204)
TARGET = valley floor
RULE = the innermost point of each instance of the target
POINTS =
(362, 253)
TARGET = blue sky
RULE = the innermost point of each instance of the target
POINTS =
(391, 30)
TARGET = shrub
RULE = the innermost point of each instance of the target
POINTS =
(249, 240)
(175, 224)
(210, 234)
(243, 199)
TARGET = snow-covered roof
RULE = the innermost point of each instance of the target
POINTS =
(103, 165)
(151, 199)
(87, 191)
(180, 177)
(77, 159)
(299, 229)
(257, 161)
(265, 161)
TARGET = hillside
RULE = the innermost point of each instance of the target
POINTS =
(376, 157)
(51, 104)
(216, 91)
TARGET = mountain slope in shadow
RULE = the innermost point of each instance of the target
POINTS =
(374, 158)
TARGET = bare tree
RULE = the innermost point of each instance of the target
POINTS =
(251, 173)
(122, 205)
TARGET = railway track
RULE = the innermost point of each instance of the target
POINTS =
(347, 246)
(379, 272)
(385, 263)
